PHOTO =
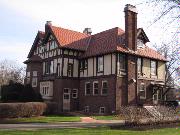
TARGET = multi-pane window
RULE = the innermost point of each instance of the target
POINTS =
(95, 88)
(104, 88)
(121, 63)
(70, 69)
(87, 88)
(102, 110)
(139, 65)
(74, 93)
(100, 64)
(142, 91)
(153, 67)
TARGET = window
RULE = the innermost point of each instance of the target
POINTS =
(86, 109)
(34, 79)
(58, 69)
(52, 67)
(95, 88)
(47, 67)
(142, 91)
(121, 63)
(153, 67)
(102, 110)
(46, 89)
(140, 43)
(66, 94)
(83, 64)
(104, 88)
(139, 65)
(87, 88)
(74, 93)
(70, 69)
(100, 64)
(34, 82)
(28, 77)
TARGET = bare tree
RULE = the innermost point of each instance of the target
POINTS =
(10, 70)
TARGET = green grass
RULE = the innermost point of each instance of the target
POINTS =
(108, 117)
(43, 119)
(93, 131)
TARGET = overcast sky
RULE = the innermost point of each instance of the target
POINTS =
(21, 19)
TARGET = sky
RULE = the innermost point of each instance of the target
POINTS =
(21, 19)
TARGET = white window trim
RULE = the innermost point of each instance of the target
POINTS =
(100, 110)
(102, 87)
(35, 73)
(93, 87)
(85, 88)
(75, 93)
(142, 90)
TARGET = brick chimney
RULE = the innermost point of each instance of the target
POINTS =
(48, 23)
(131, 26)
(131, 43)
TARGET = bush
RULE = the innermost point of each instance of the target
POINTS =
(15, 92)
(16, 110)
(30, 95)
(51, 108)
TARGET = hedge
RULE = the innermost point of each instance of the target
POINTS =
(16, 110)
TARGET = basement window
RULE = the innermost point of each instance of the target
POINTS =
(86, 109)
(102, 110)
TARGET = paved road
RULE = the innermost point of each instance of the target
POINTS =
(29, 126)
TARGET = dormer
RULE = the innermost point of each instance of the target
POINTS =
(142, 38)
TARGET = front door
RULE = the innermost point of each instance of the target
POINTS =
(66, 99)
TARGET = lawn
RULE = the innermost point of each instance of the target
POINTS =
(108, 117)
(43, 119)
(93, 131)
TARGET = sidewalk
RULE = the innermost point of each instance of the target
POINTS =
(86, 122)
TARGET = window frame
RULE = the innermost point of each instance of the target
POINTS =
(86, 88)
(100, 64)
(103, 87)
(95, 82)
(86, 109)
(153, 74)
(141, 65)
(76, 93)
(141, 90)
(100, 110)
(70, 70)
(121, 62)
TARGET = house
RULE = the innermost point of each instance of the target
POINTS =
(96, 73)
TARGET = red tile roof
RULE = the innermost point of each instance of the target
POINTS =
(101, 43)
(70, 39)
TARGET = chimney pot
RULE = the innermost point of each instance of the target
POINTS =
(49, 23)
(87, 31)
(131, 8)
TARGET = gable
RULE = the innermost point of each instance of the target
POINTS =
(141, 35)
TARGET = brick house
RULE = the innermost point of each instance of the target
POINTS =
(96, 73)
